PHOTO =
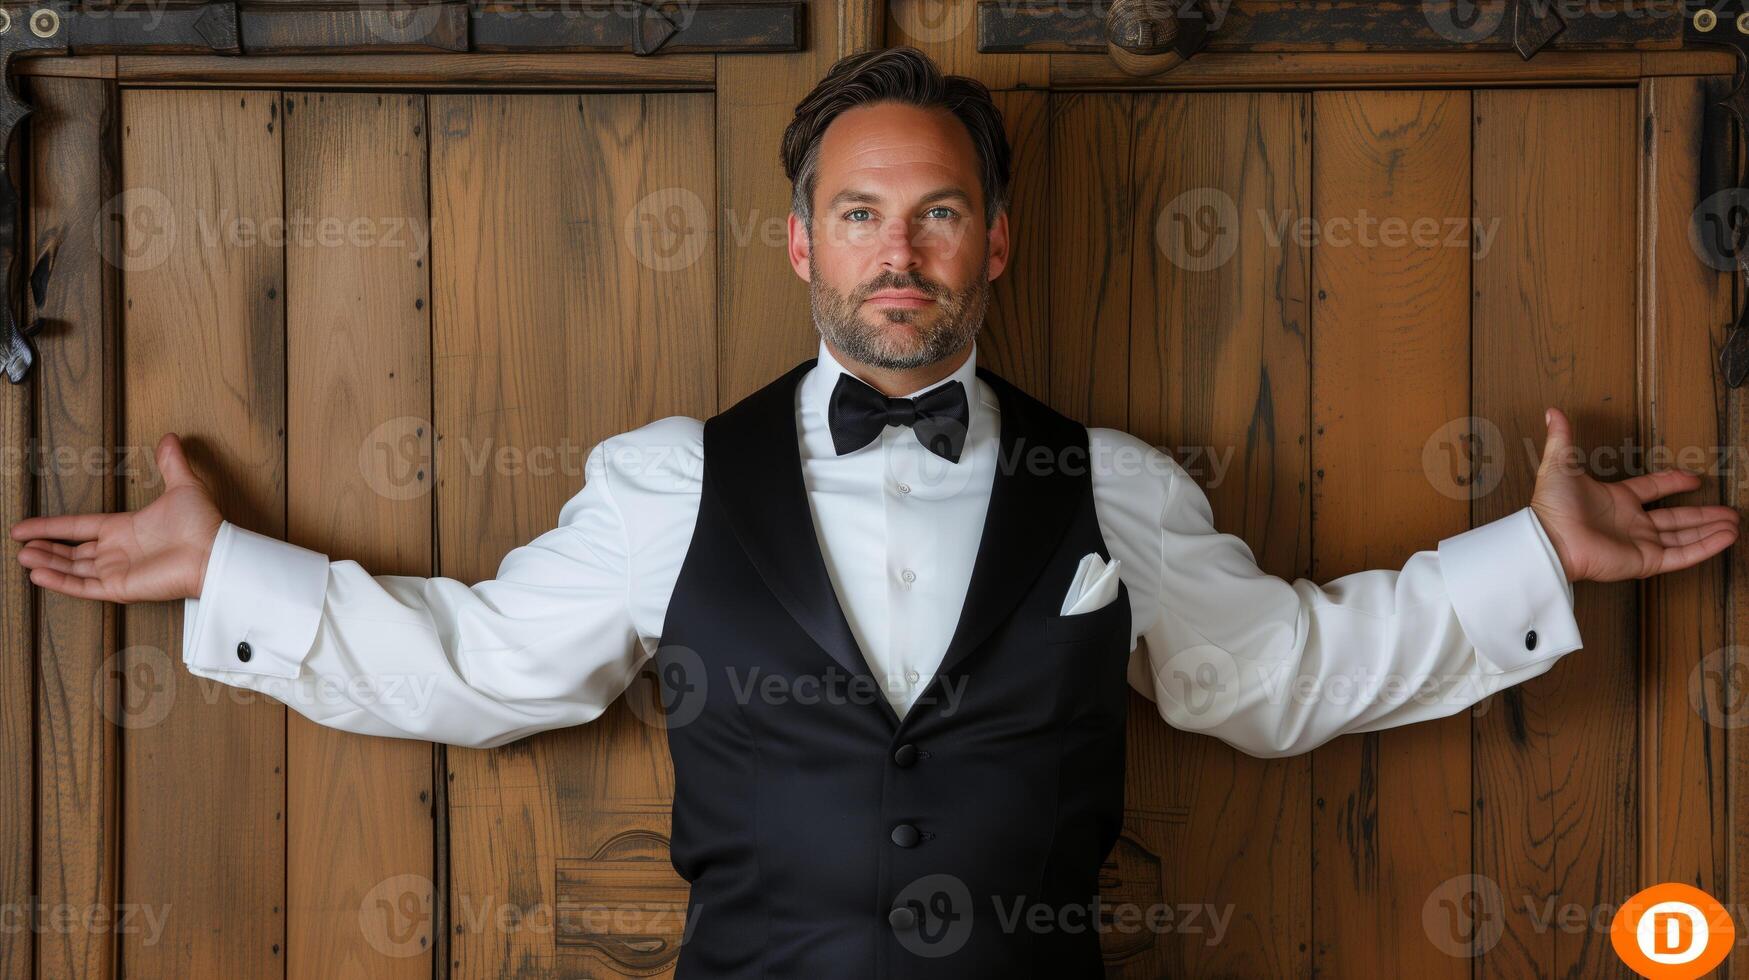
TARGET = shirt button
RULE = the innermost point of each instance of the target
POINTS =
(912, 676)
(243, 651)
(908, 575)
(904, 488)
(903, 918)
(906, 835)
(905, 756)
(1530, 640)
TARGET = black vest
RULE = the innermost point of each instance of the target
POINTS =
(822, 836)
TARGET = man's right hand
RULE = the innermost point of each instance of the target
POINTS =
(156, 553)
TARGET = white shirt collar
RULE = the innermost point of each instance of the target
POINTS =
(815, 396)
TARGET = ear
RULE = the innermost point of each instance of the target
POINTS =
(800, 251)
(998, 259)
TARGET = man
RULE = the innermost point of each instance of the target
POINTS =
(894, 601)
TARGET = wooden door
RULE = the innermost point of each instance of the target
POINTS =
(389, 317)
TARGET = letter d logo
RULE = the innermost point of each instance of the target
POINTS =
(1672, 931)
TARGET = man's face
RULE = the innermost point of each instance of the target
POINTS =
(898, 260)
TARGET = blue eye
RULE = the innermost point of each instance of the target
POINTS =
(951, 213)
(847, 214)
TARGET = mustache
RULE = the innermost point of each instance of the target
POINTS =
(918, 283)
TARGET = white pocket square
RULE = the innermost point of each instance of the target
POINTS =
(1094, 585)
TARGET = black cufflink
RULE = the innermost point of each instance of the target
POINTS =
(1530, 640)
(243, 651)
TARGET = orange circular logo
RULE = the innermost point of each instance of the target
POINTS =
(1672, 931)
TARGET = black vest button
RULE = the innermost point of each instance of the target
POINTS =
(243, 651)
(1530, 640)
(903, 918)
(906, 835)
(905, 755)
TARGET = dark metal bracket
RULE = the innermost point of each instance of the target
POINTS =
(1140, 27)
(1721, 219)
(643, 28)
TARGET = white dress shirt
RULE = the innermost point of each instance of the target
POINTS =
(1270, 666)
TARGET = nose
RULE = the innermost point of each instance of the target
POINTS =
(896, 248)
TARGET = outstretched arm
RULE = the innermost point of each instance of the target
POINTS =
(1277, 668)
(549, 642)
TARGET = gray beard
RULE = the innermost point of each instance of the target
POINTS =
(961, 317)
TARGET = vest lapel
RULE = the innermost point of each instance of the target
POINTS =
(753, 462)
(1032, 502)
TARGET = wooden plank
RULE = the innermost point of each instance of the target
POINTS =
(79, 716)
(1553, 324)
(760, 296)
(1016, 339)
(18, 637)
(1684, 312)
(545, 249)
(359, 886)
(1092, 210)
(1390, 353)
(1220, 376)
(204, 356)
(1359, 68)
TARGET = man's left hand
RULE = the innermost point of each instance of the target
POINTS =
(1603, 533)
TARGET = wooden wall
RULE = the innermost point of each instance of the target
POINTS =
(540, 269)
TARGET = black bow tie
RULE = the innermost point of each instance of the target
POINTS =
(859, 412)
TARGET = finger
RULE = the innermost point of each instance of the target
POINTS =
(64, 527)
(1660, 483)
(1683, 556)
(79, 588)
(34, 554)
(1689, 535)
(173, 463)
(86, 550)
(1557, 446)
(1676, 518)
(42, 558)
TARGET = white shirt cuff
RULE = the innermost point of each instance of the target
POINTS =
(1509, 592)
(259, 607)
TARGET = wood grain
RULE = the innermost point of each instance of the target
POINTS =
(1391, 369)
(574, 292)
(1220, 376)
(762, 305)
(360, 878)
(1556, 764)
(1684, 312)
(203, 355)
(79, 715)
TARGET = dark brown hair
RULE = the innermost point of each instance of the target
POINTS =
(905, 75)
